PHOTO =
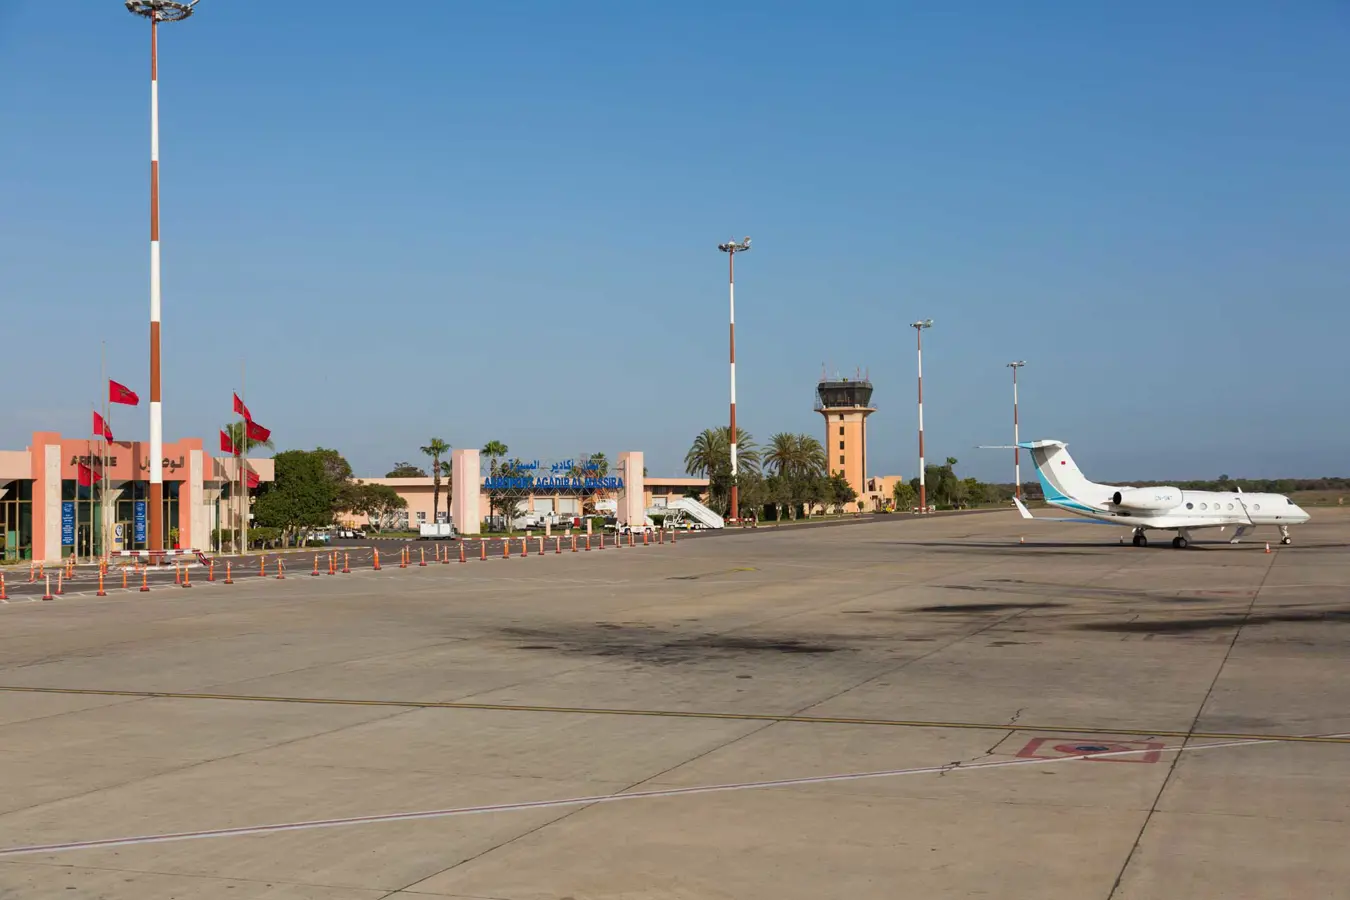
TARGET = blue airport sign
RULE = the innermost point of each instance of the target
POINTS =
(68, 523)
(139, 524)
(551, 483)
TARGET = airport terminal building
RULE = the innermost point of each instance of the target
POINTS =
(563, 501)
(54, 493)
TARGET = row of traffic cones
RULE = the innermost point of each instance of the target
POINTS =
(183, 576)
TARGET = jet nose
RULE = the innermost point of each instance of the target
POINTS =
(1301, 515)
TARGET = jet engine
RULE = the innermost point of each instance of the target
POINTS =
(1147, 499)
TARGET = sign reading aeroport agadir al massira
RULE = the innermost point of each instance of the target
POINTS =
(553, 476)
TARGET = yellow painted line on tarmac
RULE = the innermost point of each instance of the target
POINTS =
(693, 714)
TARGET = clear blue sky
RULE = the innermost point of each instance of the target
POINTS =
(479, 220)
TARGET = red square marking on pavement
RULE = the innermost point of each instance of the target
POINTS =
(1060, 747)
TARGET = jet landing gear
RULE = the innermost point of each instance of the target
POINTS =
(1182, 540)
(1284, 535)
(1140, 539)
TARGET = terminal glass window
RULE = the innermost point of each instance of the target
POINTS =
(81, 519)
(133, 498)
(16, 520)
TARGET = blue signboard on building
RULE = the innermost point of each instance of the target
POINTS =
(68, 523)
(139, 524)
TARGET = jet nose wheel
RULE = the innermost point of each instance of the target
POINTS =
(1286, 540)
(1140, 540)
(1180, 543)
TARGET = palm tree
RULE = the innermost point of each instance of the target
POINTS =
(436, 448)
(710, 457)
(494, 451)
(240, 439)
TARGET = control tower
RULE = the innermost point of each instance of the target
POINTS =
(846, 404)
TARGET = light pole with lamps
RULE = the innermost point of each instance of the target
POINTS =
(1017, 450)
(731, 248)
(156, 11)
(923, 488)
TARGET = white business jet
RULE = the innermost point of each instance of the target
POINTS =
(1153, 508)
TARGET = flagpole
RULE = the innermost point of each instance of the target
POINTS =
(243, 455)
(103, 461)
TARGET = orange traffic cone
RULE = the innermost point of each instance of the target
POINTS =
(377, 559)
(541, 546)
(346, 564)
(574, 543)
(482, 549)
(316, 565)
(187, 577)
(1267, 546)
(47, 594)
(588, 543)
(424, 557)
(211, 570)
(281, 569)
(557, 546)
(145, 580)
(100, 592)
(262, 565)
(506, 548)
(178, 576)
(461, 552)
(60, 588)
(228, 579)
(3, 595)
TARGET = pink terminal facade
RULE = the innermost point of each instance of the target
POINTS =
(47, 515)
(419, 492)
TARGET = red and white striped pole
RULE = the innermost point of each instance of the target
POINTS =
(1017, 450)
(156, 11)
(156, 408)
(923, 487)
(731, 248)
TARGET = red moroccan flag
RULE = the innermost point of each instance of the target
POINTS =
(227, 445)
(253, 479)
(256, 432)
(102, 428)
(86, 476)
(241, 409)
(120, 393)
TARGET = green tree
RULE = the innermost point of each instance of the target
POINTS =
(904, 496)
(710, 457)
(406, 470)
(795, 458)
(377, 502)
(494, 450)
(436, 448)
(302, 496)
(841, 492)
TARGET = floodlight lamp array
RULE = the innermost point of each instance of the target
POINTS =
(161, 10)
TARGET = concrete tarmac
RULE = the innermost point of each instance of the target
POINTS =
(904, 707)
